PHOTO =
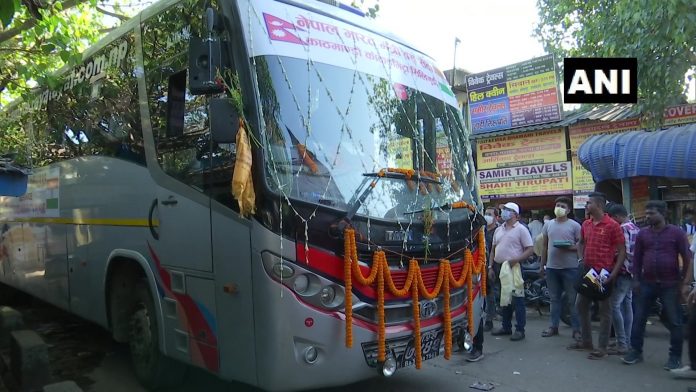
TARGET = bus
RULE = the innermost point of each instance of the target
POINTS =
(277, 192)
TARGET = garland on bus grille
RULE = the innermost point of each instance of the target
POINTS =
(381, 274)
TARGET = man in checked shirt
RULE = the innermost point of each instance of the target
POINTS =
(656, 273)
(601, 245)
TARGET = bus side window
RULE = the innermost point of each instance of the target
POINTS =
(179, 120)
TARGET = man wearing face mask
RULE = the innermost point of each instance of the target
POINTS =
(559, 262)
(656, 273)
(512, 244)
(601, 240)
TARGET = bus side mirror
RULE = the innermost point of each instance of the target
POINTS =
(224, 121)
(206, 58)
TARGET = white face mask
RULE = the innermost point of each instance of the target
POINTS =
(489, 219)
(560, 212)
(506, 215)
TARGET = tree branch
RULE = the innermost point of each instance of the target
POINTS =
(115, 15)
(29, 23)
(19, 50)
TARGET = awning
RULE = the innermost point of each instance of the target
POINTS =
(670, 152)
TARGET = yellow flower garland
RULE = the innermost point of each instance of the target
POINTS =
(414, 284)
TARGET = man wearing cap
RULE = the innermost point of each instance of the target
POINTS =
(512, 244)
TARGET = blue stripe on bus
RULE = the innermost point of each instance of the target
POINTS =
(208, 316)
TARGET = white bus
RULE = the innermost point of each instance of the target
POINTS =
(128, 219)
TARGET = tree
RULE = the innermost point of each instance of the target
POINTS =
(38, 37)
(660, 33)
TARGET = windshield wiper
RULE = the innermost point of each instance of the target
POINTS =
(353, 208)
(442, 207)
(402, 176)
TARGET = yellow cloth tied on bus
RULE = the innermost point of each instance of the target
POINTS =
(242, 184)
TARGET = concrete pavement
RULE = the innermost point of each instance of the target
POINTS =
(536, 365)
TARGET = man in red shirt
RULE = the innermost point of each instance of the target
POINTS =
(601, 244)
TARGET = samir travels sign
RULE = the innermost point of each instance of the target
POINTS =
(523, 181)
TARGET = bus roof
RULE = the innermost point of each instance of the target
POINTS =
(311, 5)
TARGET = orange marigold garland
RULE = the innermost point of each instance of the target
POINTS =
(482, 261)
(447, 313)
(380, 272)
(348, 281)
(381, 349)
(468, 264)
(416, 324)
(402, 292)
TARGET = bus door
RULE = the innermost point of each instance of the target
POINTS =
(181, 206)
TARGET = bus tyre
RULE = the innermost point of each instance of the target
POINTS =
(152, 368)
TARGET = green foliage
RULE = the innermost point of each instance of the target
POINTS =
(371, 11)
(660, 33)
(37, 38)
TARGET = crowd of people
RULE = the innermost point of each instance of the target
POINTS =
(606, 262)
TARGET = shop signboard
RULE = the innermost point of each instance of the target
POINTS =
(640, 195)
(517, 95)
(582, 178)
(524, 181)
(529, 148)
(681, 114)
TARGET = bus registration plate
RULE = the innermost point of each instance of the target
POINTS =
(430, 348)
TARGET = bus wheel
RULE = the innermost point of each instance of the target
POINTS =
(152, 368)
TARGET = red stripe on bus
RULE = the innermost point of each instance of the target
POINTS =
(197, 327)
(331, 266)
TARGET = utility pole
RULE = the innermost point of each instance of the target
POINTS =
(454, 62)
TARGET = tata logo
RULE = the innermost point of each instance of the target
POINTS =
(600, 80)
(428, 309)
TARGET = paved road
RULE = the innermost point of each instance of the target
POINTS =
(536, 365)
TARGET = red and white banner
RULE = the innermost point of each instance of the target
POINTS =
(278, 29)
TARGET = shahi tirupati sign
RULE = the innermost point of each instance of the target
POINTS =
(529, 148)
(582, 179)
(530, 180)
(517, 95)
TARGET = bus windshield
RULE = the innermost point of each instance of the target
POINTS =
(330, 130)
(341, 103)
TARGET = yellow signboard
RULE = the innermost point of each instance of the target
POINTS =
(522, 181)
(580, 133)
(582, 178)
(532, 83)
(528, 148)
(400, 154)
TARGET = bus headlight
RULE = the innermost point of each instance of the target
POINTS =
(331, 296)
(328, 295)
(301, 284)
